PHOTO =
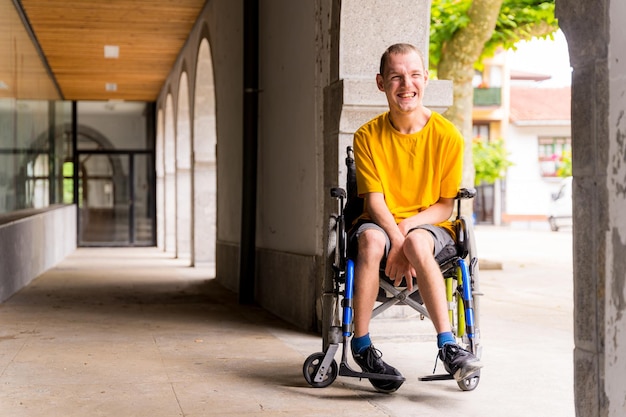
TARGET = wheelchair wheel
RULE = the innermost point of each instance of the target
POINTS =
(473, 345)
(331, 245)
(328, 301)
(469, 384)
(312, 365)
(475, 276)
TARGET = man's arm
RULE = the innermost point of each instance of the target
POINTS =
(398, 265)
(376, 207)
(437, 213)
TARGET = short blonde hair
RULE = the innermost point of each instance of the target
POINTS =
(398, 48)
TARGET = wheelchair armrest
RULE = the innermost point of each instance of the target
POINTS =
(337, 192)
(465, 193)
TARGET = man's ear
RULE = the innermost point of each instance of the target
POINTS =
(380, 83)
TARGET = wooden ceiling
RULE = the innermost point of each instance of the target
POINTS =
(73, 35)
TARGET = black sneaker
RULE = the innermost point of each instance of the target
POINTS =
(370, 361)
(459, 362)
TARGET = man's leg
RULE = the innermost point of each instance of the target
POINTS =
(371, 250)
(419, 250)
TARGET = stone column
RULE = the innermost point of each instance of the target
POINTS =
(596, 44)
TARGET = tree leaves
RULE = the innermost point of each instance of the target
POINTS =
(490, 160)
(518, 20)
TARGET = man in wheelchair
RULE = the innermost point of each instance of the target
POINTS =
(408, 170)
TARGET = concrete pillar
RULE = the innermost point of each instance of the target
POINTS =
(596, 44)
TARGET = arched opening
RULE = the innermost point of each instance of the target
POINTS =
(204, 160)
(159, 166)
(169, 177)
(183, 170)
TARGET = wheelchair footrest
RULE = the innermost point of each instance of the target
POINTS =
(441, 377)
(345, 370)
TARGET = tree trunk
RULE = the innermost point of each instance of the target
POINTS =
(457, 61)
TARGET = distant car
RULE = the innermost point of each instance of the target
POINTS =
(561, 206)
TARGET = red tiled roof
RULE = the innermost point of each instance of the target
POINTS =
(528, 76)
(538, 104)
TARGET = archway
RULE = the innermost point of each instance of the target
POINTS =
(169, 177)
(204, 160)
(159, 167)
(183, 170)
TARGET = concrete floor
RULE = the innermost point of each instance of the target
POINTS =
(132, 332)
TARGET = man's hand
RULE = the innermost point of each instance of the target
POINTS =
(398, 267)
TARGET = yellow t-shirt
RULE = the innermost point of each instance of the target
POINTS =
(412, 171)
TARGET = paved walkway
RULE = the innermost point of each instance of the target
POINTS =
(131, 332)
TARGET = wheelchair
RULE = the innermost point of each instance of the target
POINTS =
(458, 264)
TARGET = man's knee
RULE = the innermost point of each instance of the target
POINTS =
(371, 244)
(419, 242)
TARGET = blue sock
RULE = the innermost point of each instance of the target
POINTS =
(359, 344)
(444, 338)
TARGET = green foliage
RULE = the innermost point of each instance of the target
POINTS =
(518, 20)
(446, 18)
(564, 167)
(68, 183)
(490, 160)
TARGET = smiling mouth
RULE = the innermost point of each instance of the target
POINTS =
(407, 95)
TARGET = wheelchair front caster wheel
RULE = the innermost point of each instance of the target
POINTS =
(469, 384)
(311, 367)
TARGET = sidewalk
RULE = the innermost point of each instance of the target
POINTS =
(131, 332)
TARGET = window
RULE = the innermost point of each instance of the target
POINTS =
(555, 156)
(482, 131)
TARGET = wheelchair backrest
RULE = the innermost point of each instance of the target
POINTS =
(462, 239)
(354, 204)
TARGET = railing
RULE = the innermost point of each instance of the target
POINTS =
(488, 96)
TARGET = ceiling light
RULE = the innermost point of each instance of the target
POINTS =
(111, 51)
(110, 87)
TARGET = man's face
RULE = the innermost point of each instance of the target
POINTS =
(403, 82)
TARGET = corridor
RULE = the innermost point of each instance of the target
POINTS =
(133, 332)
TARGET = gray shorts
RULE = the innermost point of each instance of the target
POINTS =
(440, 235)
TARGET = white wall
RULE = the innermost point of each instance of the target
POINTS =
(527, 192)
(289, 154)
(34, 244)
(125, 131)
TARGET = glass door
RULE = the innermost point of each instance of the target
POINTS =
(115, 198)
